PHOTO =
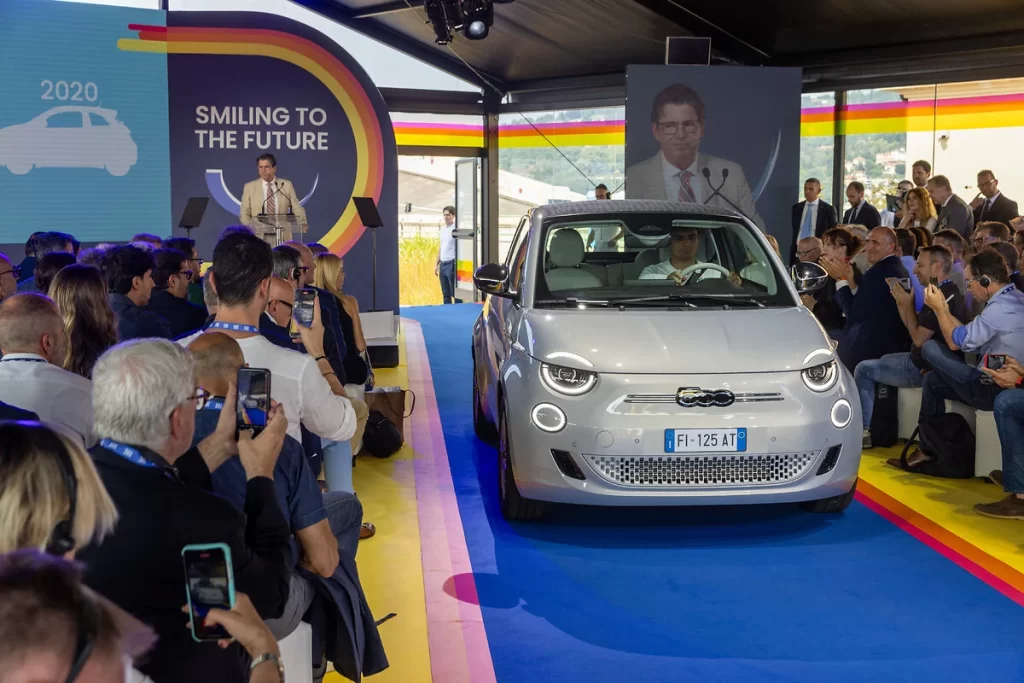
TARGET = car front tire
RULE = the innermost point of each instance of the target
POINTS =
(513, 506)
(833, 505)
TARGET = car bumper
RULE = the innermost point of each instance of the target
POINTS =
(614, 438)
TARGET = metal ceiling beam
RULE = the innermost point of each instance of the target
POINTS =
(403, 43)
(386, 8)
(732, 46)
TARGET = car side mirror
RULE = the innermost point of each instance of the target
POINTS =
(808, 277)
(492, 278)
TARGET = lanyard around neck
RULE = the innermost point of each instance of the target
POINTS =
(234, 327)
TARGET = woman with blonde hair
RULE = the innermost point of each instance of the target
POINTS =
(51, 497)
(80, 293)
(330, 275)
(919, 210)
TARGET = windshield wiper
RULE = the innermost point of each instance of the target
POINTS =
(728, 300)
(674, 298)
(571, 301)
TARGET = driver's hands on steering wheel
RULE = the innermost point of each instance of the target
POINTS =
(677, 277)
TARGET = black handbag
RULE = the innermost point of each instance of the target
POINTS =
(885, 419)
(381, 438)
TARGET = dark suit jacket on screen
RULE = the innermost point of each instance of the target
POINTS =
(1003, 210)
(868, 217)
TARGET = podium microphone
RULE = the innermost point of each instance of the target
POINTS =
(263, 209)
(717, 191)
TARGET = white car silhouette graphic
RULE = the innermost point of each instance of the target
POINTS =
(69, 137)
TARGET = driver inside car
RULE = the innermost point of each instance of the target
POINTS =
(683, 254)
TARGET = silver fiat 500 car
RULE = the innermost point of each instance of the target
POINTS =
(657, 353)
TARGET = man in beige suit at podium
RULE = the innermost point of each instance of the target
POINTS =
(270, 195)
(679, 171)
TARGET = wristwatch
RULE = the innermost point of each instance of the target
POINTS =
(269, 657)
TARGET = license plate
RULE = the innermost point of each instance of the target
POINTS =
(706, 440)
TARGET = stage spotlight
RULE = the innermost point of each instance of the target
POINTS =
(476, 30)
(437, 15)
(479, 15)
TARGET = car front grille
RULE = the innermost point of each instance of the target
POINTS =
(699, 471)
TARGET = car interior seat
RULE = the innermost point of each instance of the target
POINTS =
(565, 254)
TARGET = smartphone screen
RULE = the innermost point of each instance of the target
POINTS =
(303, 311)
(995, 362)
(934, 281)
(905, 283)
(210, 584)
(253, 398)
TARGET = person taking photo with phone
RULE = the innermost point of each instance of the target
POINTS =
(145, 399)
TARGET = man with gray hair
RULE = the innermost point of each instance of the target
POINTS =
(145, 399)
(34, 347)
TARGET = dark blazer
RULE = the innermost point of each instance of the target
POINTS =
(868, 216)
(134, 322)
(139, 565)
(956, 215)
(873, 325)
(826, 309)
(9, 412)
(825, 221)
(182, 316)
(1003, 211)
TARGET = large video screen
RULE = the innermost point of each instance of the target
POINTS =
(723, 136)
(83, 123)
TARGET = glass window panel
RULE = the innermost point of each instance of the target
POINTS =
(875, 123)
(817, 141)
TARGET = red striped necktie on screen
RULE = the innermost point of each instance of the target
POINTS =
(271, 209)
(685, 191)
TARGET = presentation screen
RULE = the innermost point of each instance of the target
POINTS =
(83, 124)
(722, 136)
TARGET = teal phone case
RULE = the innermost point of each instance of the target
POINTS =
(231, 577)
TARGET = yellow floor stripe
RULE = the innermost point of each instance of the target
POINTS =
(390, 565)
(950, 504)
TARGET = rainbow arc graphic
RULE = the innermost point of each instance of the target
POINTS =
(310, 57)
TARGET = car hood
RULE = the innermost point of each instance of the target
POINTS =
(684, 342)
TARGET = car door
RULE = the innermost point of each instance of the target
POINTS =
(502, 314)
(63, 143)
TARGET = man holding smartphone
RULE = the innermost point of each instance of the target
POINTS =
(145, 399)
(998, 329)
(906, 369)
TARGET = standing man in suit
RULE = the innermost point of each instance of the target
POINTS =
(954, 213)
(679, 171)
(269, 195)
(874, 327)
(921, 172)
(812, 217)
(994, 205)
(860, 212)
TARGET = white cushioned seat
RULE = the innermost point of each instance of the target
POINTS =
(297, 654)
(564, 258)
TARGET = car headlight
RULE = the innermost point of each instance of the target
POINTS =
(821, 378)
(568, 381)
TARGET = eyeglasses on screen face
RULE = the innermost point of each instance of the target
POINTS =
(674, 127)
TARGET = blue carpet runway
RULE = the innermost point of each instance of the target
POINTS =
(766, 593)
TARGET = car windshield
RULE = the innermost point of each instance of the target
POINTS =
(657, 260)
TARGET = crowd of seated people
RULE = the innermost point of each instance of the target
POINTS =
(934, 298)
(119, 446)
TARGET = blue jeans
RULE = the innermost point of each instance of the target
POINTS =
(1009, 409)
(338, 465)
(894, 369)
(345, 515)
(953, 379)
(446, 273)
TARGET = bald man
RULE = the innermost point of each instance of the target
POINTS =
(873, 324)
(323, 524)
(34, 348)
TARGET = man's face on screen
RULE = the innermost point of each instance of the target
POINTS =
(679, 131)
(267, 170)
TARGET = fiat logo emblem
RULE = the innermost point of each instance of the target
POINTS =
(690, 397)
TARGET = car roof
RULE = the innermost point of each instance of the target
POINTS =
(79, 109)
(595, 207)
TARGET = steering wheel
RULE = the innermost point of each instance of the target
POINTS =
(703, 266)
